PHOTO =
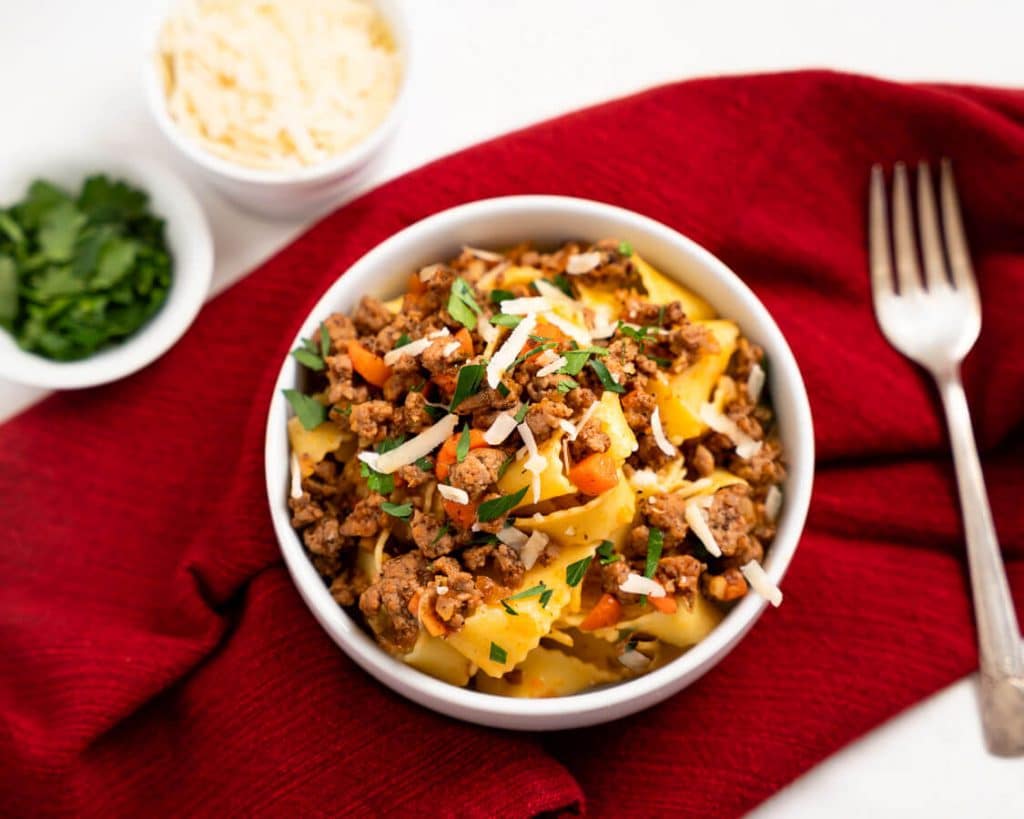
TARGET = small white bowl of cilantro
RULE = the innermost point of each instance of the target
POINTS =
(104, 263)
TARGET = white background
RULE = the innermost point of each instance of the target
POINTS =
(70, 75)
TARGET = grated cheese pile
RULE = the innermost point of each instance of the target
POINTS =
(279, 84)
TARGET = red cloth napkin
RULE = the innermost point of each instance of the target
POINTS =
(156, 659)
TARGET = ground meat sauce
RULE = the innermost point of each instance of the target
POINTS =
(409, 559)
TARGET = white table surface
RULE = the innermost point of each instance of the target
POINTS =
(70, 72)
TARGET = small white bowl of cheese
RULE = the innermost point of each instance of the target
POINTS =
(284, 105)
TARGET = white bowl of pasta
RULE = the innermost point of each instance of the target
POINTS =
(544, 488)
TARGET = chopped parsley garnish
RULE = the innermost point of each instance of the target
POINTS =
(402, 341)
(307, 359)
(484, 538)
(434, 411)
(655, 539)
(425, 464)
(605, 377)
(311, 413)
(505, 320)
(606, 552)
(545, 598)
(498, 654)
(377, 481)
(521, 413)
(390, 443)
(496, 507)
(402, 511)
(462, 305)
(661, 315)
(561, 281)
(567, 385)
(508, 609)
(310, 355)
(635, 333)
(661, 362)
(575, 360)
(530, 592)
(467, 384)
(462, 446)
(505, 465)
(441, 532)
(625, 249)
(497, 296)
(574, 571)
(325, 341)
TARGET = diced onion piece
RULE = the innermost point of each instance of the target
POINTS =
(634, 660)
(527, 304)
(574, 331)
(746, 447)
(772, 502)
(483, 255)
(488, 332)
(760, 582)
(638, 584)
(531, 550)
(511, 536)
(419, 447)
(580, 263)
(507, 352)
(453, 494)
(755, 382)
(439, 333)
(501, 427)
(296, 477)
(699, 524)
(554, 366)
(659, 434)
(450, 348)
(569, 428)
(413, 348)
(369, 458)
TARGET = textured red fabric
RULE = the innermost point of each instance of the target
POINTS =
(156, 659)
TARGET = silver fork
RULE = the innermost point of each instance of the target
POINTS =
(935, 322)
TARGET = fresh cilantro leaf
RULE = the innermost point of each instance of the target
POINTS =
(425, 464)
(311, 413)
(462, 446)
(503, 389)
(505, 320)
(390, 443)
(508, 609)
(497, 296)
(574, 361)
(498, 654)
(377, 481)
(540, 348)
(634, 333)
(605, 377)
(574, 572)
(402, 511)
(567, 385)
(625, 249)
(462, 305)
(521, 413)
(561, 281)
(325, 341)
(496, 507)
(467, 384)
(530, 592)
(655, 539)
(661, 362)
(545, 598)
(308, 359)
(606, 552)
(505, 465)
(434, 411)
(402, 340)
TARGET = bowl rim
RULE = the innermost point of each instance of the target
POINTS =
(355, 156)
(170, 199)
(597, 705)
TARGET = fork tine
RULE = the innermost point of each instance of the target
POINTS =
(931, 244)
(878, 234)
(908, 274)
(956, 239)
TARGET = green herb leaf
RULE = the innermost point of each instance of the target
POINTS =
(661, 362)
(661, 315)
(377, 481)
(8, 291)
(530, 592)
(496, 507)
(655, 539)
(325, 341)
(462, 305)
(403, 511)
(540, 348)
(567, 385)
(505, 320)
(574, 361)
(508, 609)
(311, 412)
(545, 598)
(634, 333)
(605, 377)
(402, 341)
(505, 465)
(625, 249)
(308, 359)
(462, 446)
(425, 464)
(441, 532)
(498, 654)
(497, 296)
(502, 389)
(606, 552)
(574, 571)
(434, 411)
(521, 412)
(467, 384)
(561, 281)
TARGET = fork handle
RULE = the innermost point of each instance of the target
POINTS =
(999, 639)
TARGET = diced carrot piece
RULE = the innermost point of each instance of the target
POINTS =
(463, 515)
(466, 340)
(545, 329)
(606, 612)
(369, 365)
(666, 605)
(416, 285)
(446, 456)
(414, 603)
(594, 474)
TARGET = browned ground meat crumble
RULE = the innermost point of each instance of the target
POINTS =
(437, 571)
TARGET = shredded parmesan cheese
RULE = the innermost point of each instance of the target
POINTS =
(420, 446)
(551, 292)
(439, 333)
(772, 502)
(450, 348)
(413, 348)
(507, 352)
(643, 479)
(569, 428)
(553, 367)
(427, 273)
(746, 447)
(484, 255)
(510, 536)
(638, 584)
(296, 477)
(580, 263)
(634, 660)
(760, 582)
(488, 332)
(531, 550)
(453, 494)
(281, 84)
(527, 304)
(535, 463)
(584, 418)
(575, 332)
(755, 382)
(442, 591)
(659, 434)
(695, 517)
(501, 427)
(369, 458)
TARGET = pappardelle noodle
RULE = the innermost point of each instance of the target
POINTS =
(534, 473)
